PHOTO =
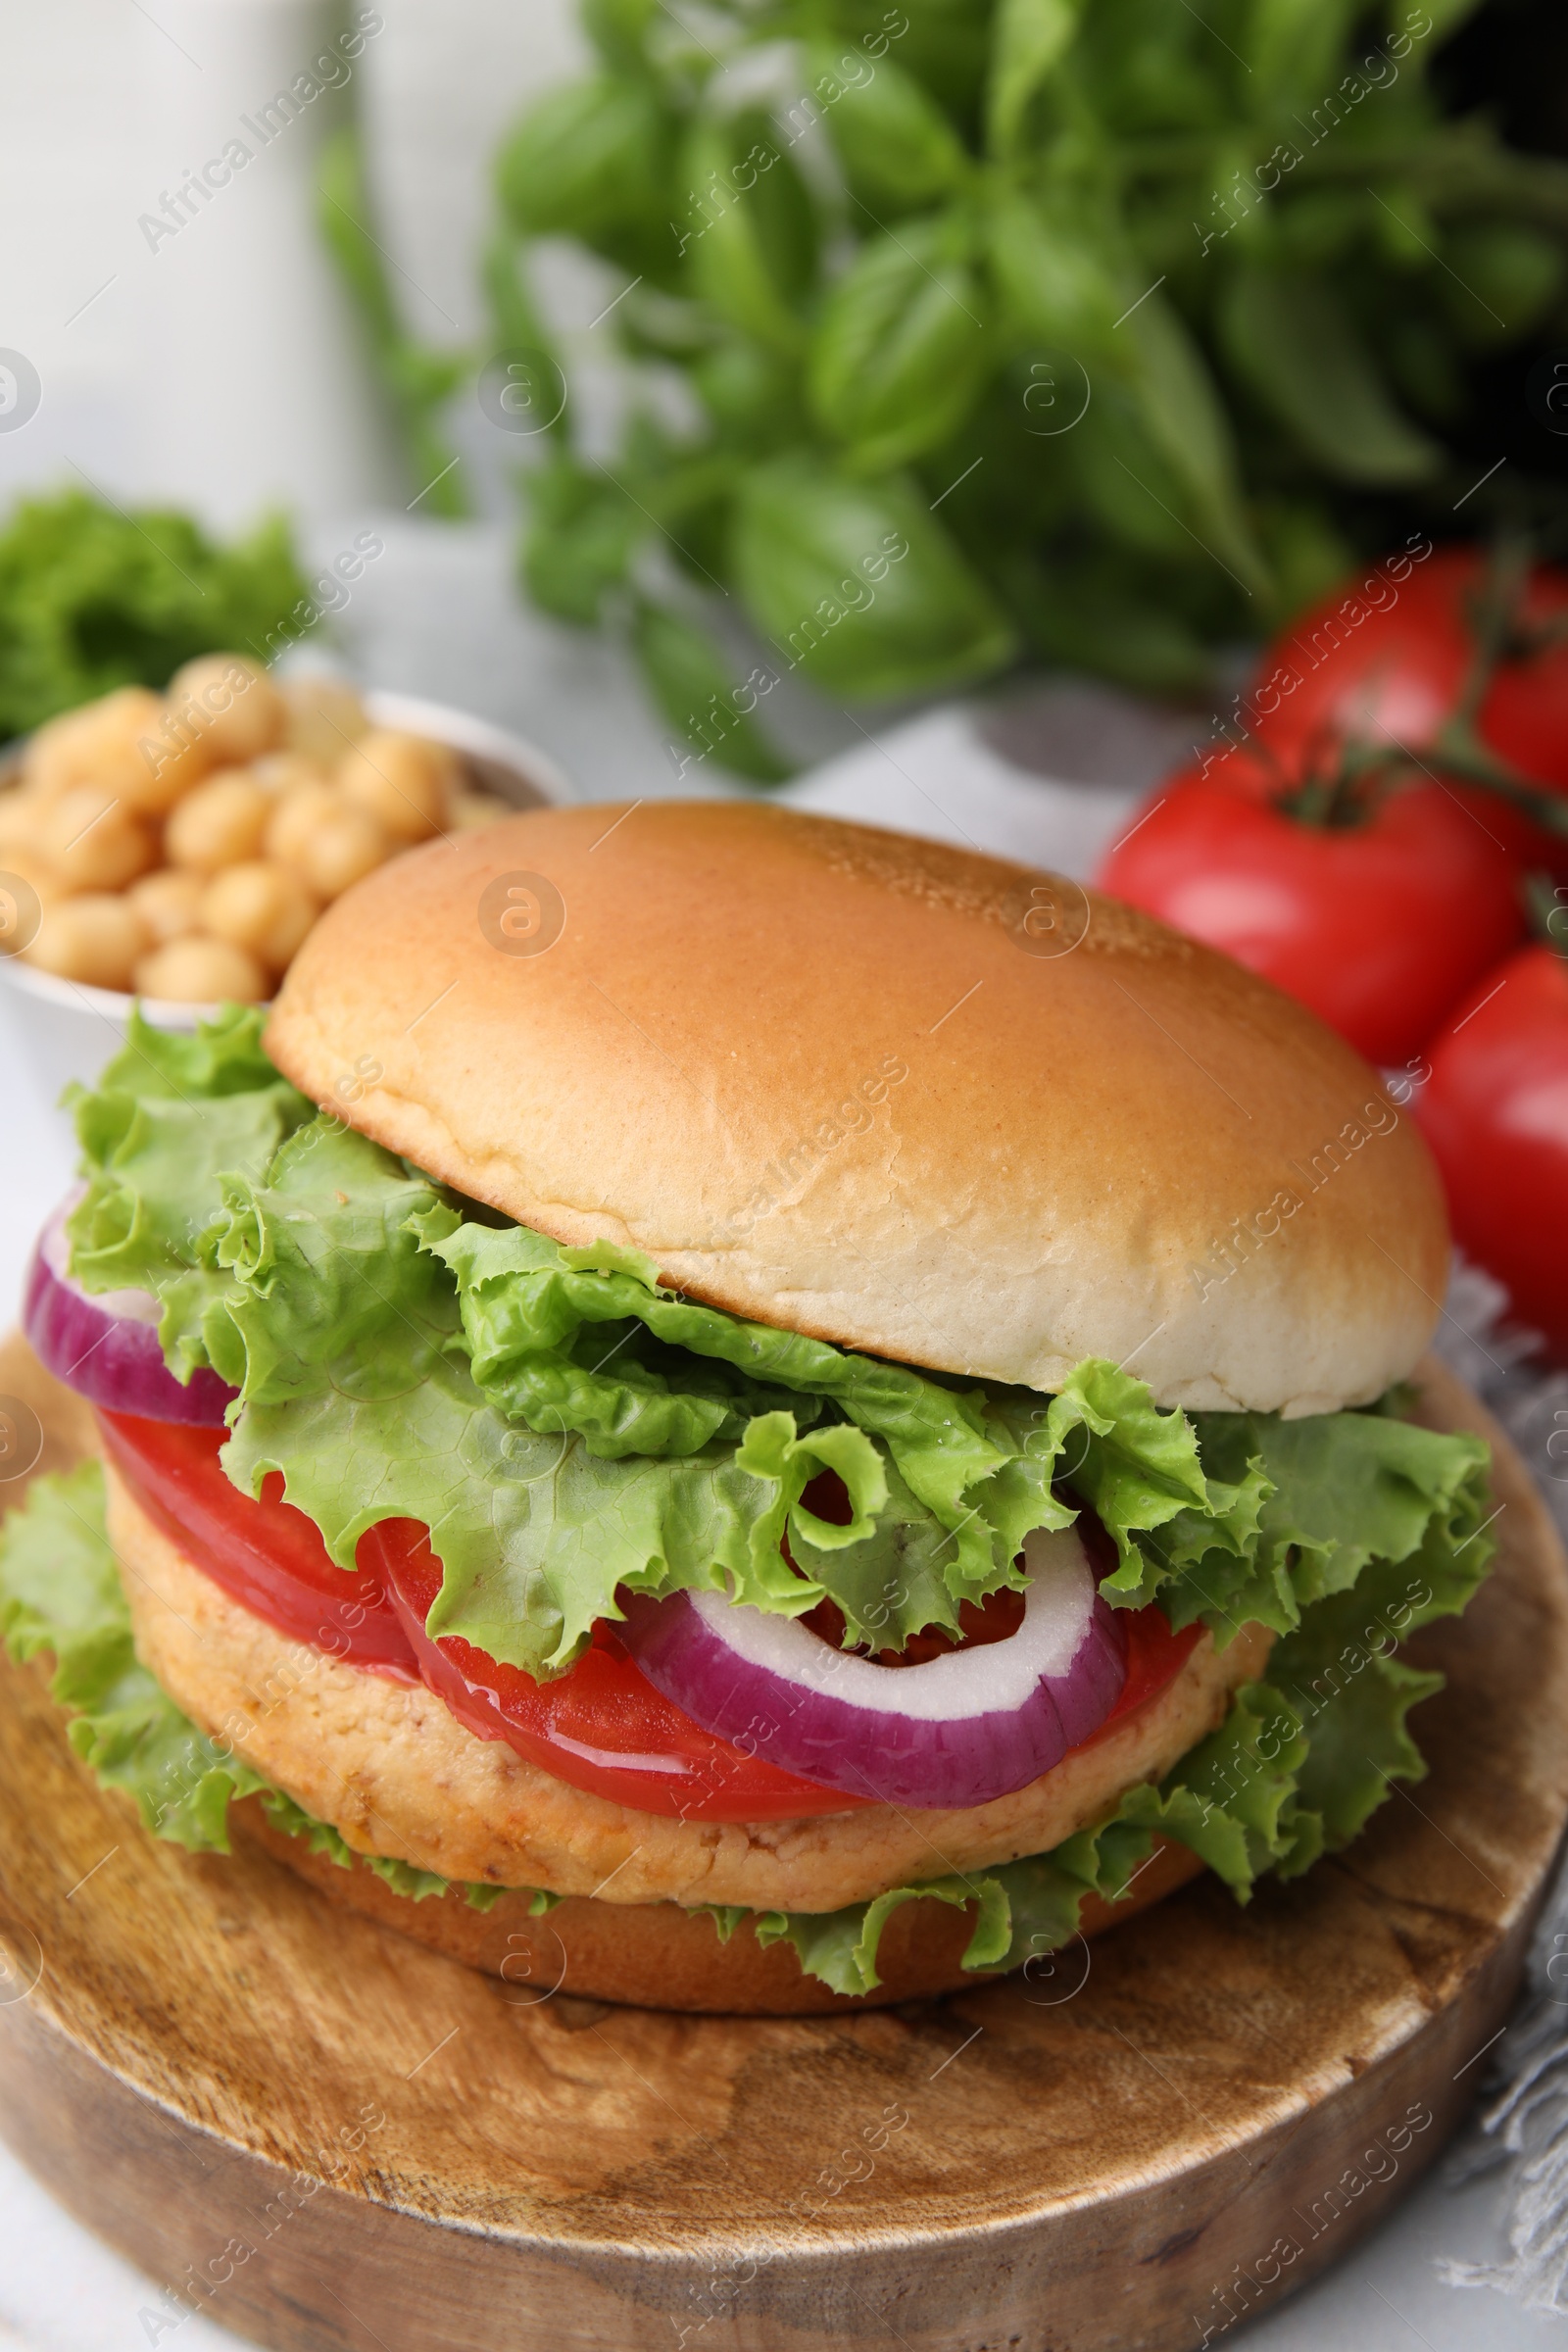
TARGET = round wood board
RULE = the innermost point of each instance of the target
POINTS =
(356, 2143)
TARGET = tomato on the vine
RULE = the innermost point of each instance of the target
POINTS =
(1352, 670)
(1375, 902)
(1495, 1112)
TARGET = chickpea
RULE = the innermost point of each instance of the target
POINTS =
(403, 781)
(342, 848)
(179, 754)
(167, 903)
(95, 938)
(20, 818)
(55, 755)
(221, 822)
(264, 908)
(295, 819)
(112, 742)
(198, 970)
(93, 841)
(325, 717)
(34, 868)
(234, 703)
(286, 771)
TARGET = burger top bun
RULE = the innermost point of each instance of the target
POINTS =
(925, 1104)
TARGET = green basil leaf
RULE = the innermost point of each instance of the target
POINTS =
(592, 161)
(746, 228)
(704, 700)
(1055, 282)
(858, 584)
(1028, 40)
(1126, 479)
(1444, 16)
(945, 45)
(1294, 47)
(1293, 340)
(900, 350)
(1509, 275)
(619, 28)
(1082, 611)
(1185, 419)
(897, 146)
(753, 397)
(582, 534)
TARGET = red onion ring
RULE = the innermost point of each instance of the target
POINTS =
(965, 1728)
(105, 1346)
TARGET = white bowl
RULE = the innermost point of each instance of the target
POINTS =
(65, 1030)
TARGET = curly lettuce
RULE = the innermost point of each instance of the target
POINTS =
(170, 1116)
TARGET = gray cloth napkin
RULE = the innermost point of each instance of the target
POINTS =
(1524, 2121)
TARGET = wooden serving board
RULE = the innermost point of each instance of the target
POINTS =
(356, 2143)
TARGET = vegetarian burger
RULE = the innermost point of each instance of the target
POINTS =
(732, 1411)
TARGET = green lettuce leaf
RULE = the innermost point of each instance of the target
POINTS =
(525, 1301)
(170, 1115)
(357, 1387)
(60, 1592)
(1325, 1495)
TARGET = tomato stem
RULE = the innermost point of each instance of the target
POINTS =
(1344, 785)
(1549, 913)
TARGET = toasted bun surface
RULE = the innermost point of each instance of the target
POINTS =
(912, 1101)
(390, 1766)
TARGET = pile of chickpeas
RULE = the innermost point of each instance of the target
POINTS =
(183, 845)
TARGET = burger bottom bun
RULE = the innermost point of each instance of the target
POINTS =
(657, 1956)
(390, 1767)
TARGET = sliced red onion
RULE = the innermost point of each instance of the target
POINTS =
(105, 1344)
(969, 1726)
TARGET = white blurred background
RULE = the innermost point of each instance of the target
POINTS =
(177, 371)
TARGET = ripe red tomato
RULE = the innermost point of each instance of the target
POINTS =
(1495, 1114)
(1379, 926)
(267, 1556)
(1398, 670)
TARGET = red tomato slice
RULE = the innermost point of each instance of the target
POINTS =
(600, 1726)
(266, 1554)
